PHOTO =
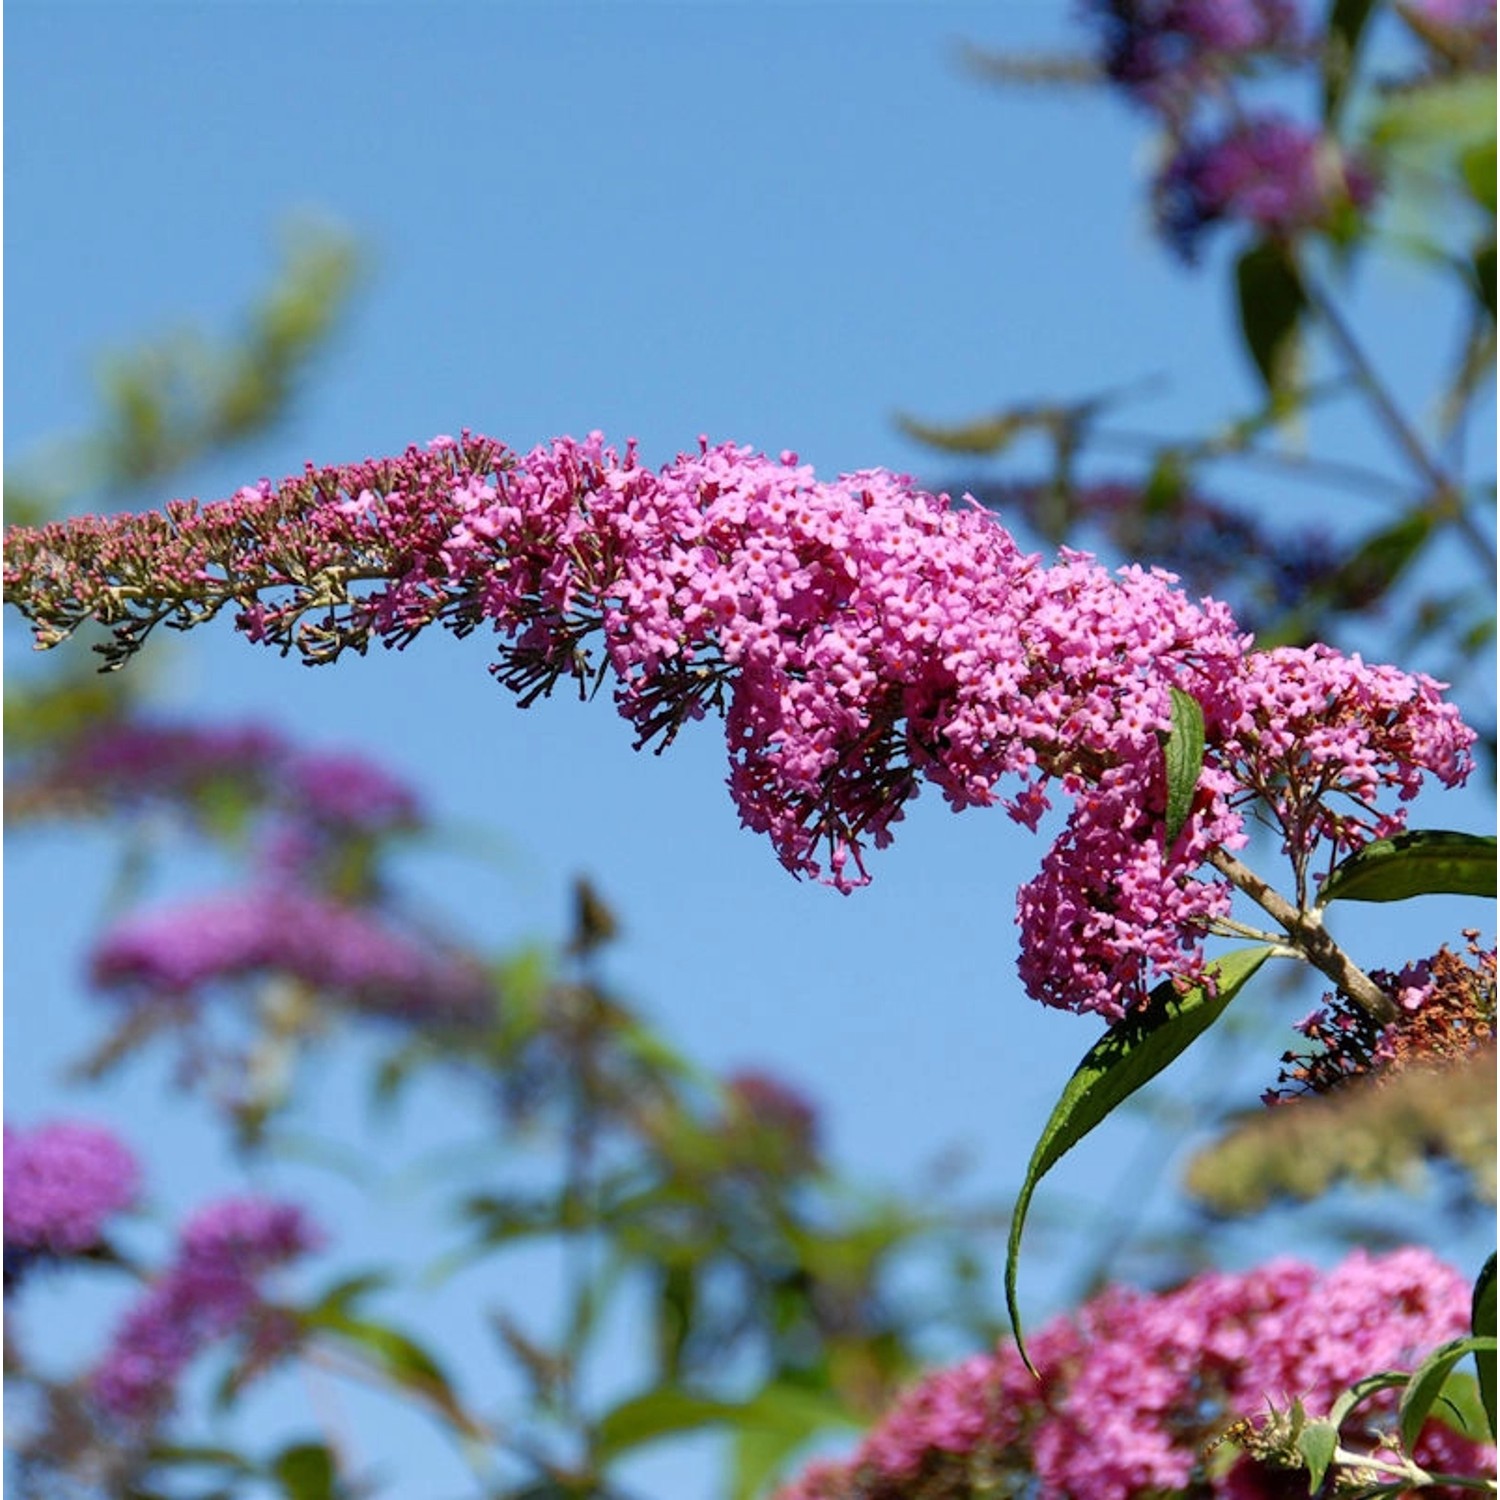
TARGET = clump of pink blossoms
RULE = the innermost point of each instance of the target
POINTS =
(1135, 1388)
(859, 636)
(212, 1291)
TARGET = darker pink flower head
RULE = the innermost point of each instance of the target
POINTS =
(784, 1119)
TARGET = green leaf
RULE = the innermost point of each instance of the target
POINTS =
(397, 1357)
(1476, 166)
(986, 435)
(1459, 110)
(1271, 301)
(1424, 862)
(1460, 1409)
(1483, 1324)
(1346, 24)
(1427, 1383)
(1362, 1390)
(340, 1298)
(1484, 275)
(793, 1411)
(1378, 562)
(306, 1471)
(676, 1308)
(1183, 753)
(1317, 1442)
(189, 1455)
(1129, 1055)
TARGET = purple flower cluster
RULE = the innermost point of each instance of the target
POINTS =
(1267, 171)
(135, 762)
(1136, 1386)
(131, 761)
(348, 792)
(62, 1182)
(342, 951)
(1229, 161)
(212, 1291)
(858, 635)
(1165, 53)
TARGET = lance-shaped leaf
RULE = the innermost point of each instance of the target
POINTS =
(306, 1471)
(1272, 301)
(1183, 754)
(793, 1411)
(1128, 1056)
(1429, 1379)
(1346, 25)
(397, 1358)
(1424, 862)
(1317, 1442)
(1483, 1325)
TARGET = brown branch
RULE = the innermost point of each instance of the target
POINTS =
(1310, 938)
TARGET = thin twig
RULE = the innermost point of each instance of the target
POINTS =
(1445, 499)
(1294, 465)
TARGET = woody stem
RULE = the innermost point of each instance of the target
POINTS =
(1309, 937)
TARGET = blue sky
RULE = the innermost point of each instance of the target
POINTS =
(776, 224)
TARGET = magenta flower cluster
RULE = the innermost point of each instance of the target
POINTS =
(212, 1291)
(1135, 1388)
(62, 1183)
(859, 635)
(347, 953)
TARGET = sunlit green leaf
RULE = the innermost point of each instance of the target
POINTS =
(1443, 112)
(1317, 1442)
(1428, 1381)
(791, 1410)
